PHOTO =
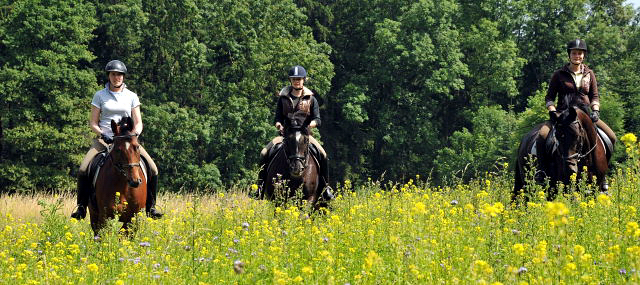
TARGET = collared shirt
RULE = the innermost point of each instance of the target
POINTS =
(114, 106)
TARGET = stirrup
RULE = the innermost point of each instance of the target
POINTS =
(327, 193)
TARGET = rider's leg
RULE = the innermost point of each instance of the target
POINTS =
(84, 184)
(612, 136)
(264, 162)
(152, 185)
(607, 130)
(327, 192)
(541, 149)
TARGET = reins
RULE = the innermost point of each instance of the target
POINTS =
(578, 156)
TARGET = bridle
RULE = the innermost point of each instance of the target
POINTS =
(295, 156)
(581, 139)
(123, 167)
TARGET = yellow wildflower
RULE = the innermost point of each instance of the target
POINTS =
(92, 267)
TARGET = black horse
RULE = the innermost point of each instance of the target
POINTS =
(294, 164)
(572, 145)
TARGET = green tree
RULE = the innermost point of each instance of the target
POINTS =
(45, 77)
(473, 152)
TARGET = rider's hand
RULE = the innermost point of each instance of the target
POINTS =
(106, 138)
(553, 116)
(280, 128)
(306, 130)
(595, 115)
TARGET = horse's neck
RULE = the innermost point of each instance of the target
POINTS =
(589, 128)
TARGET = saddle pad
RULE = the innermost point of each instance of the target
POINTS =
(605, 140)
(143, 165)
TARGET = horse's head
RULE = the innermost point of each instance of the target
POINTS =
(296, 145)
(126, 150)
(571, 138)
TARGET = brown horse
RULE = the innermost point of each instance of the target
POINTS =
(121, 173)
(578, 145)
(295, 164)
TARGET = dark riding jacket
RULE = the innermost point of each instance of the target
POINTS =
(304, 107)
(563, 86)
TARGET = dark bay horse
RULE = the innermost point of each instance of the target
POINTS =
(122, 173)
(578, 145)
(295, 164)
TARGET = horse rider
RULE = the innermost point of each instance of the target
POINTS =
(296, 98)
(114, 102)
(575, 84)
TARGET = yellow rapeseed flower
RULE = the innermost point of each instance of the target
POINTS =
(557, 209)
(372, 259)
(518, 249)
(92, 267)
(419, 208)
(604, 200)
(481, 267)
(632, 229)
(307, 270)
(628, 139)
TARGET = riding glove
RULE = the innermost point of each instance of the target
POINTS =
(595, 115)
(553, 116)
(306, 130)
(106, 138)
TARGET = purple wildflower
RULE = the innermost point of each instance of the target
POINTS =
(522, 270)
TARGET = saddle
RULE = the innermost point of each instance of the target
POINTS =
(551, 144)
(98, 161)
(315, 153)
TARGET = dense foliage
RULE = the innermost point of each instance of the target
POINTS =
(441, 88)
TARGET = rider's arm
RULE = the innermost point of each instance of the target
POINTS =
(279, 118)
(552, 91)
(94, 120)
(137, 119)
(315, 114)
(594, 96)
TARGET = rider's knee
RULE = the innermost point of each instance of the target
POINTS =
(544, 131)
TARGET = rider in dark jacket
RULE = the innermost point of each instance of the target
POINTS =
(574, 84)
(299, 100)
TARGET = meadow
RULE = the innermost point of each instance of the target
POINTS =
(374, 233)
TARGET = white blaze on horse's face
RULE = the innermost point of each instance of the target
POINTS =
(298, 136)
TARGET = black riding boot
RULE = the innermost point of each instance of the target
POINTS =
(152, 194)
(84, 190)
(327, 192)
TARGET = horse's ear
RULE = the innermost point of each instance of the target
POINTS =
(130, 123)
(114, 127)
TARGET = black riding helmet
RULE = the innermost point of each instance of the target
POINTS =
(577, 44)
(297, 72)
(116, 65)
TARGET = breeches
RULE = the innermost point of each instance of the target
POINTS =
(98, 145)
(279, 139)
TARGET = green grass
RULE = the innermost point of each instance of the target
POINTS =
(411, 233)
